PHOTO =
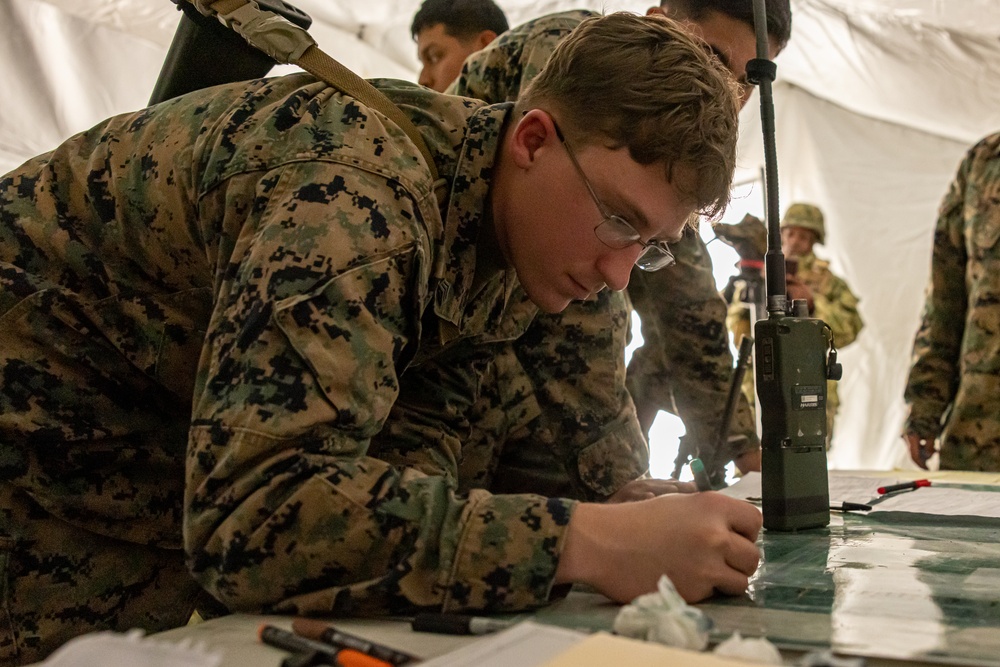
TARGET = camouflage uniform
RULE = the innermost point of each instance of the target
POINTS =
(240, 324)
(685, 365)
(954, 386)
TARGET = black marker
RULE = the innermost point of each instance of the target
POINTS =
(850, 507)
(321, 632)
(458, 624)
(315, 652)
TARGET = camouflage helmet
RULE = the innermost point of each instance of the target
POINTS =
(806, 216)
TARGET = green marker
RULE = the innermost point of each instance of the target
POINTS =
(700, 476)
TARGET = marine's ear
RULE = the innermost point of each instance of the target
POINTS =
(534, 131)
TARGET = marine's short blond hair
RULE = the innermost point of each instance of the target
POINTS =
(642, 83)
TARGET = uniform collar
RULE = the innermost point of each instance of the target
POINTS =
(467, 216)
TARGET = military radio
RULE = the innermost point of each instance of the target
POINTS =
(794, 358)
(205, 52)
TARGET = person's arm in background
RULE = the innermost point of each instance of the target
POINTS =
(691, 371)
(934, 373)
(585, 440)
(501, 70)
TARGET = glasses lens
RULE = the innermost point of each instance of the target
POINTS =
(615, 233)
(654, 257)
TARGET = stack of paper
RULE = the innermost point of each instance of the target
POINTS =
(530, 644)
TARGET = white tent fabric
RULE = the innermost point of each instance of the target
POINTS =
(876, 100)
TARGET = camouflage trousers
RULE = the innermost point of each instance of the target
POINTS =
(58, 581)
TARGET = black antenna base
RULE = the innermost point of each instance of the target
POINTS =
(760, 70)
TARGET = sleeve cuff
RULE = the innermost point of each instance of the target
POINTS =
(618, 457)
(508, 552)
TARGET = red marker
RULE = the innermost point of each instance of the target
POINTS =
(905, 486)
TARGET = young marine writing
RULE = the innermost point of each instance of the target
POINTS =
(243, 342)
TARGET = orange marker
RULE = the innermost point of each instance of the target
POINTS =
(321, 632)
(325, 654)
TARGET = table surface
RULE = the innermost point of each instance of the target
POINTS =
(921, 589)
(915, 592)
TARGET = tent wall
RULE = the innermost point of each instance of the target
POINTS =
(879, 185)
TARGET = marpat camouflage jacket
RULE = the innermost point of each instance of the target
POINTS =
(954, 385)
(240, 322)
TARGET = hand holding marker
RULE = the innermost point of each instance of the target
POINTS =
(701, 479)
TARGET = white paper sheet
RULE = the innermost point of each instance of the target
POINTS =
(938, 500)
(526, 644)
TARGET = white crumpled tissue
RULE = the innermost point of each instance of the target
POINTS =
(110, 649)
(752, 650)
(664, 617)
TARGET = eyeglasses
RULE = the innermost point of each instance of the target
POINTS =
(616, 232)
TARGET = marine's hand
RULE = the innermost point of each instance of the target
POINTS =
(748, 462)
(703, 541)
(644, 489)
(921, 449)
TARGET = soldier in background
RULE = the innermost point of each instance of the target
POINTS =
(953, 390)
(810, 278)
(685, 365)
(448, 31)
(745, 291)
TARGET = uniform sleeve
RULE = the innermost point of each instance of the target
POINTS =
(502, 70)
(690, 370)
(934, 373)
(492, 74)
(320, 298)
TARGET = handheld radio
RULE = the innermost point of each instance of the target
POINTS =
(794, 357)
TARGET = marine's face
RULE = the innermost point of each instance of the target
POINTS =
(797, 241)
(730, 39)
(546, 231)
(442, 56)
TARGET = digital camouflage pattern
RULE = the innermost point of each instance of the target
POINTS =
(685, 365)
(953, 390)
(238, 324)
(499, 72)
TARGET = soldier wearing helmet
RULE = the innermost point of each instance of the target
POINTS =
(830, 299)
(804, 217)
